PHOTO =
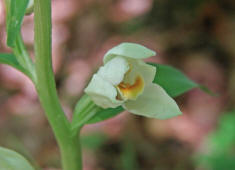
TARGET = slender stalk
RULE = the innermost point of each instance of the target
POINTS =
(69, 145)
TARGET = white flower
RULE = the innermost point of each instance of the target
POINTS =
(126, 80)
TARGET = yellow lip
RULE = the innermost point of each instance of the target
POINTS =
(132, 91)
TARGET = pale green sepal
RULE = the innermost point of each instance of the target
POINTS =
(102, 92)
(114, 70)
(130, 50)
(153, 103)
(11, 160)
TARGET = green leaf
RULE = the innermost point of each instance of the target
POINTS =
(15, 13)
(105, 114)
(174, 82)
(10, 160)
(11, 60)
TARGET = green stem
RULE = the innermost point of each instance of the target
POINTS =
(69, 145)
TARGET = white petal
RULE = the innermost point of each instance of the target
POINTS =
(102, 92)
(138, 67)
(114, 70)
(130, 50)
(153, 103)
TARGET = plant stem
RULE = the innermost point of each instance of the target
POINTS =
(46, 87)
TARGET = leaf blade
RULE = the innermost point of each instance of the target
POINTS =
(12, 160)
(105, 114)
(15, 13)
(11, 60)
(176, 82)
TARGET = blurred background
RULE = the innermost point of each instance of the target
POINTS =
(195, 36)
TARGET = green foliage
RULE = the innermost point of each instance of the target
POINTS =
(173, 81)
(221, 144)
(105, 114)
(169, 78)
(15, 13)
(10, 160)
(15, 10)
(11, 60)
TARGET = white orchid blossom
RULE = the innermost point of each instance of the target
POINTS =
(127, 81)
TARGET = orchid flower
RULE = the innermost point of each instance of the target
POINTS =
(125, 80)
